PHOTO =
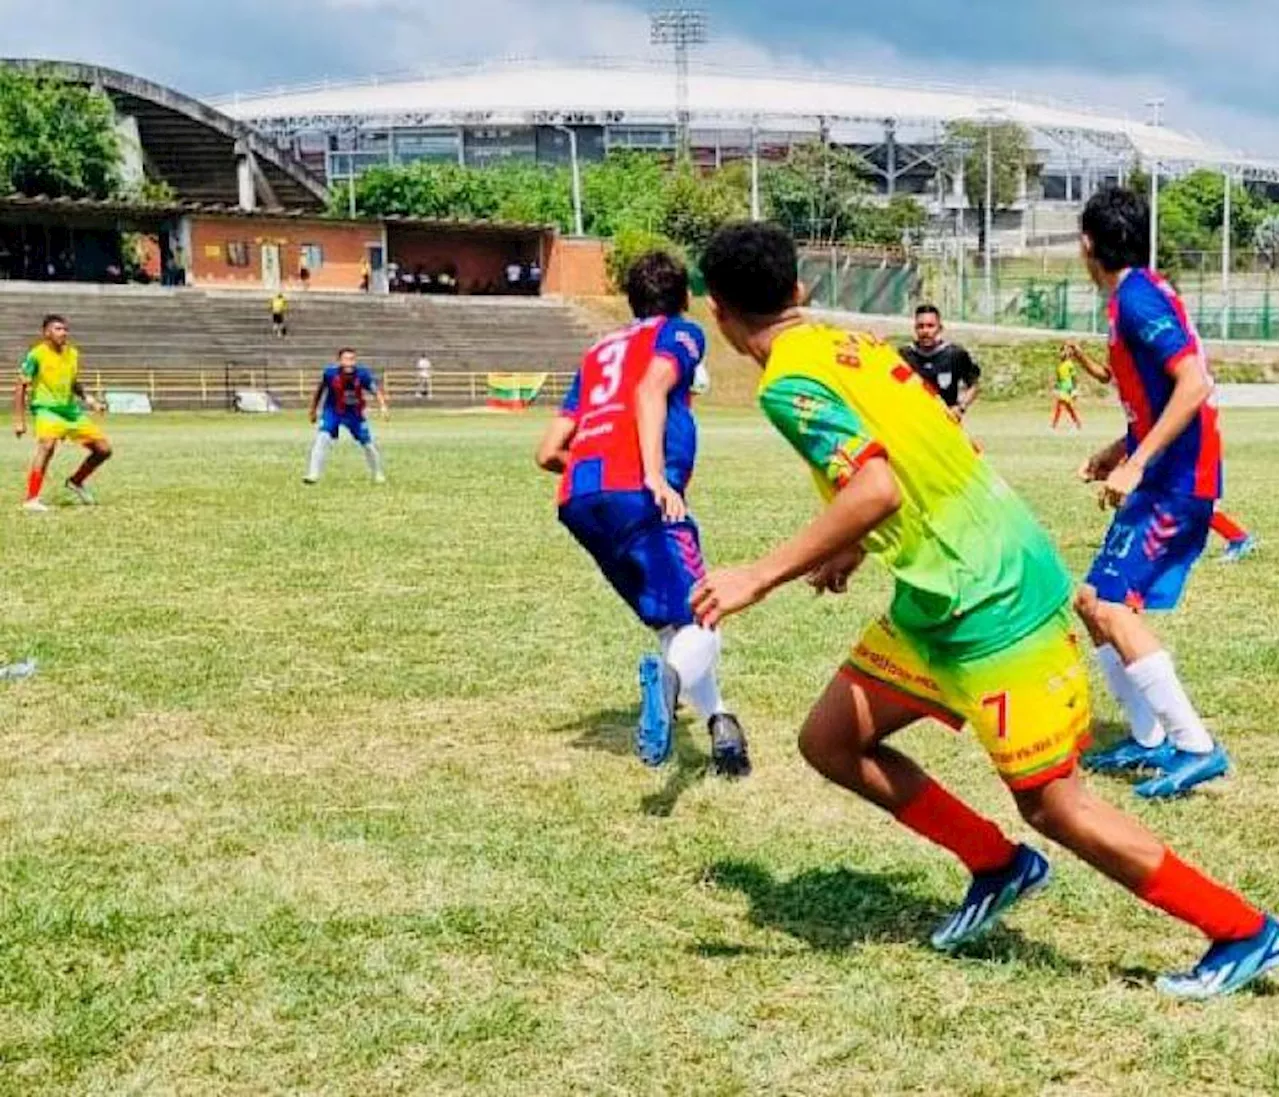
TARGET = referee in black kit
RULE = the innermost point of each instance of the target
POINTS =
(946, 366)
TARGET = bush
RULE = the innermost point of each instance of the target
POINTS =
(629, 245)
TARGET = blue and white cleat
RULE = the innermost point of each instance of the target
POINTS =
(1182, 771)
(1227, 966)
(659, 688)
(1238, 550)
(989, 896)
(1129, 754)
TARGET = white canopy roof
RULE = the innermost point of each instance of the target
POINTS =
(524, 93)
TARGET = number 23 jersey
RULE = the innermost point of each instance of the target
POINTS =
(973, 570)
(604, 453)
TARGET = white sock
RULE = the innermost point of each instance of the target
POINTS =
(1154, 675)
(1143, 725)
(373, 459)
(693, 652)
(319, 454)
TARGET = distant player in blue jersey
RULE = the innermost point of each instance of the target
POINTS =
(624, 443)
(339, 401)
(1163, 477)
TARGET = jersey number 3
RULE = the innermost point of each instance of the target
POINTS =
(610, 356)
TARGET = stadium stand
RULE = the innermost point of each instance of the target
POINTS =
(189, 348)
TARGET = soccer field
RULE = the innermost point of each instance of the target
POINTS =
(329, 791)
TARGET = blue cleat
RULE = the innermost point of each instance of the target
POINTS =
(1238, 550)
(1182, 772)
(659, 687)
(989, 896)
(1129, 754)
(1227, 966)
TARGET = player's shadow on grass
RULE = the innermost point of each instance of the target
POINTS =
(611, 731)
(837, 909)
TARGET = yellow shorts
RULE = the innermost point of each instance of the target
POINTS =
(1029, 703)
(56, 426)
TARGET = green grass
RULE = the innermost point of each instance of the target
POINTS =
(329, 791)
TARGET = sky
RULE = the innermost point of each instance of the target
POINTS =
(1214, 63)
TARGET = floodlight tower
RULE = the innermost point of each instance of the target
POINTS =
(679, 28)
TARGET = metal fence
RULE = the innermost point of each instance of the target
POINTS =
(1056, 295)
(215, 388)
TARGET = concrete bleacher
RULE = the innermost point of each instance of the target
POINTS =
(186, 346)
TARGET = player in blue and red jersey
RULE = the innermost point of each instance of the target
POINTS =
(342, 391)
(1163, 477)
(624, 443)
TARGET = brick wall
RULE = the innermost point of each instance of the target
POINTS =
(480, 260)
(575, 268)
(215, 239)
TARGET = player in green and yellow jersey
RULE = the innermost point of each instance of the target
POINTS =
(49, 384)
(978, 630)
(1064, 391)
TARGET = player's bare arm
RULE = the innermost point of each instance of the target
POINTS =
(86, 397)
(20, 407)
(384, 408)
(867, 500)
(1099, 465)
(1096, 370)
(832, 575)
(316, 397)
(1191, 388)
(651, 423)
(553, 449)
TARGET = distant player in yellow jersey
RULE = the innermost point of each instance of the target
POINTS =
(978, 630)
(1064, 390)
(49, 384)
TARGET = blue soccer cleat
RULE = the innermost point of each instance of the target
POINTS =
(1227, 966)
(1182, 771)
(659, 687)
(1129, 754)
(989, 896)
(1238, 550)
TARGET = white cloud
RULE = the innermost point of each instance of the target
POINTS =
(245, 45)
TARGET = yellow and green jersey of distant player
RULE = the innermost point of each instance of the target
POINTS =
(974, 572)
(52, 376)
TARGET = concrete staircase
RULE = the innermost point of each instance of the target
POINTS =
(131, 328)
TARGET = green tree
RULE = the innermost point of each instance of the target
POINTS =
(695, 205)
(1010, 155)
(629, 244)
(56, 138)
(818, 191)
(624, 190)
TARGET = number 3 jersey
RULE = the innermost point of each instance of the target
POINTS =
(604, 453)
(973, 570)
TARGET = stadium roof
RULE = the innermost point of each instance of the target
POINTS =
(191, 146)
(636, 93)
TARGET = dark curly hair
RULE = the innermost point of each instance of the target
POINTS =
(750, 267)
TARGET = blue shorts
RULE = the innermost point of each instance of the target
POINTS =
(653, 564)
(355, 422)
(1154, 539)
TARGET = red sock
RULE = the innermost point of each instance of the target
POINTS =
(937, 815)
(1071, 410)
(35, 481)
(1225, 528)
(1189, 895)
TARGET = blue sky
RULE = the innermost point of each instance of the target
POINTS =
(1215, 64)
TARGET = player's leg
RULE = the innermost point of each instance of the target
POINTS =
(326, 435)
(1243, 938)
(1075, 418)
(46, 444)
(843, 739)
(1240, 542)
(358, 426)
(670, 557)
(1057, 413)
(90, 435)
(1148, 553)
